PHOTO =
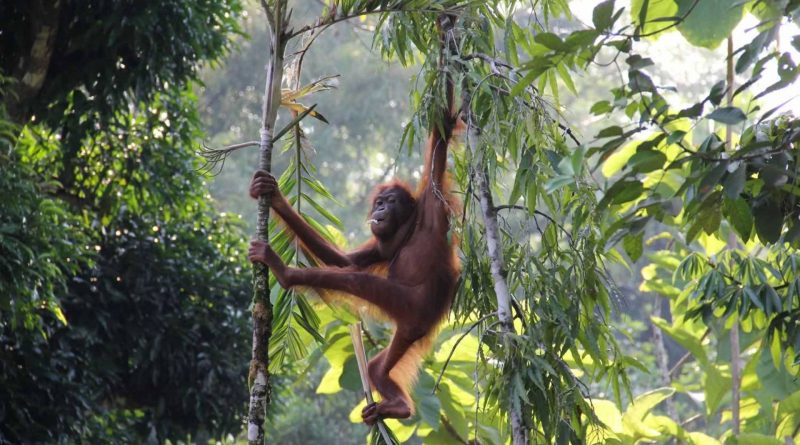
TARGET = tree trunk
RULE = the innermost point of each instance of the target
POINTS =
(30, 71)
(736, 369)
(519, 434)
(259, 377)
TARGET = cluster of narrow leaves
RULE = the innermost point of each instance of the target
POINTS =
(717, 292)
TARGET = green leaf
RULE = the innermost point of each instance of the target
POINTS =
(640, 82)
(694, 111)
(637, 62)
(735, 181)
(622, 191)
(330, 381)
(612, 131)
(775, 173)
(602, 15)
(738, 213)
(710, 218)
(642, 407)
(675, 137)
(550, 40)
(633, 246)
(558, 182)
(768, 221)
(710, 180)
(788, 417)
(564, 74)
(708, 22)
(427, 403)
(350, 378)
(753, 49)
(647, 160)
(601, 107)
(653, 15)
(727, 115)
(757, 439)
(717, 385)
(717, 92)
(537, 66)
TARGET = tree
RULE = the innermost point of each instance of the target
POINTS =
(557, 310)
(123, 323)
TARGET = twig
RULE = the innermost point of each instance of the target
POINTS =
(681, 361)
(536, 212)
(215, 157)
(453, 349)
(452, 431)
(332, 19)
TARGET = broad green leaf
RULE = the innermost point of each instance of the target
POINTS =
(788, 417)
(775, 173)
(727, 115)
(601, 107)
(735, 181)
(609, 414)
(652, 16)
(696, 438)
(633, 246)
(757, 439)
(643, 404)
(708, 22)
(564, 74)
(637, 62)
(618, 159)
(401, 431)
(738, 213)
(602, 15)
(550, 40)
(612, 131)
(330, 381)
(453, 410)
(717, 385)
(640, 82)
(622, 191)
(427, 403)
(647, 160)
(557, 183)
(641, 407)
(350, 378)
(768, 221)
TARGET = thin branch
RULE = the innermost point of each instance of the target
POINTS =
(333, 18)
(215, 157)
(453, 349)
(681, 361)
(452, 431)
(670, 26)
(536, 212)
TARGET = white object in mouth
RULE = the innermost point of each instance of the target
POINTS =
(372, 221)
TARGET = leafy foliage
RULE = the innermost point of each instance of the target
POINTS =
(123, 304)
(114, 52)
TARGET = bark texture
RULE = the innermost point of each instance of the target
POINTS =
(259, 377)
